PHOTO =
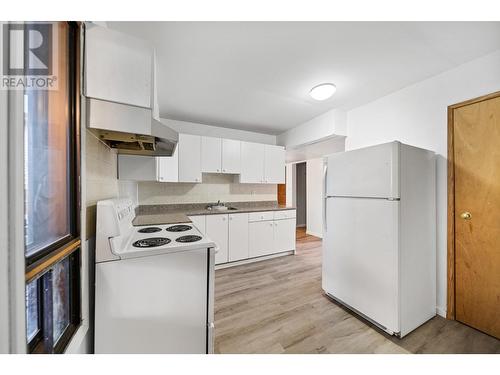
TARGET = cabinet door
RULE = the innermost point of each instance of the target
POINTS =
(217, 231)
(231, 156)
(238, 237)
(260, 238)
(274, 165)
(199, 222)
(136, 168)
(211, 150)
(284, 235)
(167, 167)
(252, 162)
(189, 158)
(118, 67)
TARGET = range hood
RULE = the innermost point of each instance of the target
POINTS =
(129, 129)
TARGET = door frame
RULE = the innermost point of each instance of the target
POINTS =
(450, 310)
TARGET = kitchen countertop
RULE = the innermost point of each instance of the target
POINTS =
(178, 213)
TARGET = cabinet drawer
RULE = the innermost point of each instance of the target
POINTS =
(261, 216)
(285, 214)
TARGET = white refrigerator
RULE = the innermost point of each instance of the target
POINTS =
(379, 242)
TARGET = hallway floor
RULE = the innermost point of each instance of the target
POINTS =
(278, 306)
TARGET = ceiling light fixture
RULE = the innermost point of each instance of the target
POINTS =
(323, 91)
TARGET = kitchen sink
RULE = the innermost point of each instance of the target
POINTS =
(221, 208)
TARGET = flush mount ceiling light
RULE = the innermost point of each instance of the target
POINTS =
(323, 91)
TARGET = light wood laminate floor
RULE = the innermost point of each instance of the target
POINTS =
(278, 306)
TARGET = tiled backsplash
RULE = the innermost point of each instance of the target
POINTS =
(214, 187)
(101, 178)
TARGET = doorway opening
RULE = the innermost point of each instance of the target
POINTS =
(301, 197)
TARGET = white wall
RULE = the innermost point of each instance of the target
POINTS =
(314, 182)
(291, 184)
(327, 125)
(417, 115)
(216, 131)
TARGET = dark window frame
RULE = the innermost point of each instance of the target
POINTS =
(42, 342)
(74, 153)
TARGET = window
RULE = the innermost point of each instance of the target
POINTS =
(53, 306)
(51, 197)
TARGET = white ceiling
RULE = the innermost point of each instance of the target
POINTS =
(256, 75)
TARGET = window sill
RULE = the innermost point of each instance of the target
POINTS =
(79, 343)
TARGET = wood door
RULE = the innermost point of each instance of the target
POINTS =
(476, 136)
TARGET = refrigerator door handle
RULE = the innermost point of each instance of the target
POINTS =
(325, 197)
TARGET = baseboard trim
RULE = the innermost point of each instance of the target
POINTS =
(441, 311)
(319, 235)
(253, 260)
(301, 225)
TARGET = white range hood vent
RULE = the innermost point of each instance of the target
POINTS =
(129, 129)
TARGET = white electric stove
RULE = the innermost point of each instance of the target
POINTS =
(153, 285)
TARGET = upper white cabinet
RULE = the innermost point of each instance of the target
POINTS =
(118, 67)
(217, 230)
(167, 167)
(255, 162)
(274, 165)
(211, 151)
(262, 163)
(252, 162)
(148, 168)
(136, 168)
(189, 149)
(231, 156)
(220, 155)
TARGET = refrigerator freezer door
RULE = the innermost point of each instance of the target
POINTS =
(367, 172)
(360, 257)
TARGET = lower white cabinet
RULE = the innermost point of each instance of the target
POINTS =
(217, 230)
(241, 236)
(238, 237)
(199, 222)
(261, 238)
(284, 235)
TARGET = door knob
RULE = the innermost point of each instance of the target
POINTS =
(465, 215)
